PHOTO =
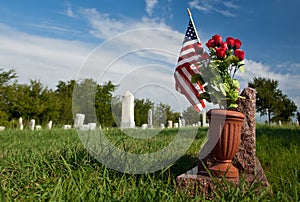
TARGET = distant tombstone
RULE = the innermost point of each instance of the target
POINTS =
(92, 126)
(204, 118)
(127, 118)
(2, 128)
(79, 120)
(198, 124)
(297, 123)
(150, 125)
(279, 123)
(21, 126)
(162, 126)
(170, 124)
(67, 127)
(32, 124)
(38, 127)
(49, 125)
(183, 122)
(176, 125)
(144, 126)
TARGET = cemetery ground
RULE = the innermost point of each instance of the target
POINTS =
(53, 165)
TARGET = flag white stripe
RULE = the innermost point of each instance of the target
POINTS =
(187, 88)
(188, 60)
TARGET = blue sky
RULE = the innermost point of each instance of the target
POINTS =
(54, 40)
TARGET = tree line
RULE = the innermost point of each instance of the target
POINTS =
(35, 101)
(97, 102)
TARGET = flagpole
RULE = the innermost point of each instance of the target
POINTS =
(191, 18)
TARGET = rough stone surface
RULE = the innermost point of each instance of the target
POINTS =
(245, 158)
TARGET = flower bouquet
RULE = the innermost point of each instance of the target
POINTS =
(225, 58)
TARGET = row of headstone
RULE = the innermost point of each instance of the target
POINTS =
(32, 125)
(127, 117)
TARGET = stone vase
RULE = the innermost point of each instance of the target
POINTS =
(225, 133)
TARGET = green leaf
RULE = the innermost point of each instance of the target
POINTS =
(232, 106)
(242, 69)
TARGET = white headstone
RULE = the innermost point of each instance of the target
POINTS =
(49, 125)
(183, 122)
(204, 118)
(92, 126)
(170, 124)
(179, 122)
(21, 126)
(150, 125)
(297, 123)
(279, 123)
(127, 118)
(176, 125)
(2, 128)
(144, 126)
(162, 125)
(38, 127)
(79, 120)
(32, 124)
(67, 127)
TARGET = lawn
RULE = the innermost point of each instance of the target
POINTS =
(53, 165)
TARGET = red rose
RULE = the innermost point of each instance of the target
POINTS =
(230, 42)
(224, 45)
(210, 43)
(217, 39)
(220, 52)
(237, 43)
(240, 54)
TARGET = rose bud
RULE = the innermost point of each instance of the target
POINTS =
(220, 52)
(240, 54)
(224, 45)
(210, 43)
(230, 42)
(217, 39)
(237, 43)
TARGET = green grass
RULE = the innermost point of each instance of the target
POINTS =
(54, 166)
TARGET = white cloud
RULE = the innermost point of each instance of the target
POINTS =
(102, 25)
(224, 8)
(69, 12)
(288, 83)
(141, 60)
(150, 4)
(34, 57)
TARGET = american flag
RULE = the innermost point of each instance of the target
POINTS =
(189, 62)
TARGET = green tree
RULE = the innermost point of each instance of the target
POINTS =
(163, 113)
(190, 116)
(141, 108)
(104, 102)
(7, 78)
(271, 101)
(64, 92)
